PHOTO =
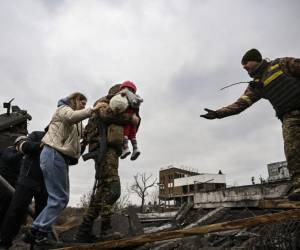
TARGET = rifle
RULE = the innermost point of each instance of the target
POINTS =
(98, 155)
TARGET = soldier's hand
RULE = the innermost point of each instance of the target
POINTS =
(135, 120)
(211, 114)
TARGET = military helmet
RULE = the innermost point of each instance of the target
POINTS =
(113, 90)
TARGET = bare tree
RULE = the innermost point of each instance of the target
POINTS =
(154, 194)
(141, 184)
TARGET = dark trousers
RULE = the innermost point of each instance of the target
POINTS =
(17, 211)
(5, 199)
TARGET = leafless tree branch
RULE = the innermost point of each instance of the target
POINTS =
(141, 184)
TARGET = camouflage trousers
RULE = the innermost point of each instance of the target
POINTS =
(291, 137)
(107, 193)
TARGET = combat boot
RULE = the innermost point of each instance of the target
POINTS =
(32, 235)
(84, 233)
(5, 245)
(41, 240)
(136, 152)
(107, 232)
(295, 195)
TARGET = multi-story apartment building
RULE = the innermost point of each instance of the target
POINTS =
(178, 185)
(278, 171)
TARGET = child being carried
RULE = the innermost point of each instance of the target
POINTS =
(126, 100)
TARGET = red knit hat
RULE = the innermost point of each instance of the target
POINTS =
(128, 84)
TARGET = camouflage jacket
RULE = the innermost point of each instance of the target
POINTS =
(91, 133)
(289, 65)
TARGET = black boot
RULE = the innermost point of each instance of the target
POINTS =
(84, 233)
(32, 235)
(107, 232)
(4, 245)
(42, 240)
(295, 195)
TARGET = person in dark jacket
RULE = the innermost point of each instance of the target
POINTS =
(10, 162)
(30, 184)
(277, 81)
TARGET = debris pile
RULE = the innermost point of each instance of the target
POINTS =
(219, 228)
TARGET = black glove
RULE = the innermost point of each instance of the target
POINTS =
(256, 84)
(211, 114)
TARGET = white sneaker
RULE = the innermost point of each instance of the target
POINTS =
(135, 154)
(125, 153)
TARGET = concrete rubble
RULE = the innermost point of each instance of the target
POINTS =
(249, 229)
(264, 224)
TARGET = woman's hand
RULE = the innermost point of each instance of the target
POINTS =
(98, 106)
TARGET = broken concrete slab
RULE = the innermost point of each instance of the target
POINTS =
(242, 196)
(135, 226)
(210, 217)
(229, 225)
(120, 224)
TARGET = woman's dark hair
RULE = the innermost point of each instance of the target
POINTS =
(73, 98)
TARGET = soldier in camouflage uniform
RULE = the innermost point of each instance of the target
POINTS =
(108, 191)
(279, 82)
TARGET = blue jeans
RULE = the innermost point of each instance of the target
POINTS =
(56, 176)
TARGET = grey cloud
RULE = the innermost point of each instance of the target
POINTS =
(180, 53)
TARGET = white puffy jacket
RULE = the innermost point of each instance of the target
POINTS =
(65, 130)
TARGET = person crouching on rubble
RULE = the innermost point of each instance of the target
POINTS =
(61, 149)
(10, 163)
(129, 102)
(30, 184)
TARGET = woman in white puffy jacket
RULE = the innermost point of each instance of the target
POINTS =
(61, 149)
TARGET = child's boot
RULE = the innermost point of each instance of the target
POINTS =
(125, 149)
(136, 152)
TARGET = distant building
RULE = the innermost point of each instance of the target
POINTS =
(278, 171)
(178, 185)
(242, 196)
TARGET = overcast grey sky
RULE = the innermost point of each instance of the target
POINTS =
(179, 53)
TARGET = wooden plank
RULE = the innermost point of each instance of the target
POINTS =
(224, 226)
(279, 204)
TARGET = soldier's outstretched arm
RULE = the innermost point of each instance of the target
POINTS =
(245, 101)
